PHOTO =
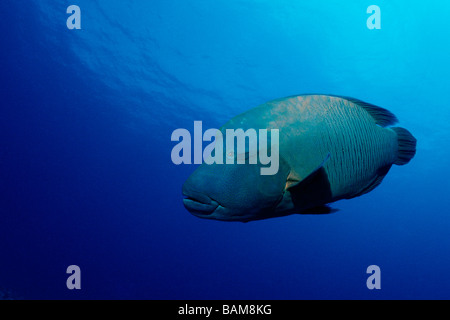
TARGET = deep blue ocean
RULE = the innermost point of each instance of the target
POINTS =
(86, 176)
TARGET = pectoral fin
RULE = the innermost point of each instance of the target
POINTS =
(311, 192)
(293, 178)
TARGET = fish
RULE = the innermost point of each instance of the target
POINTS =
(330, 148)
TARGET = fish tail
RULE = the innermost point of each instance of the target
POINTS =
(406, 146)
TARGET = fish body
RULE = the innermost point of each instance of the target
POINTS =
(330, 148)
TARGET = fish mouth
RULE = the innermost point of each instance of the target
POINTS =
(202, 206)
(199, 204)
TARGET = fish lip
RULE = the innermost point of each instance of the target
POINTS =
(199, 204)
(198, 208)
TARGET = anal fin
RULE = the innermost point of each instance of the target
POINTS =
(375, 182)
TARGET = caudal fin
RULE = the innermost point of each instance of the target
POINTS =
(406, 146)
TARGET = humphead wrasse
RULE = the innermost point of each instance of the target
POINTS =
(330, 148)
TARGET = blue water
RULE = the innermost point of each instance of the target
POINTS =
(86, 176)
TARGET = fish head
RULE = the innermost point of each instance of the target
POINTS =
(233, 192)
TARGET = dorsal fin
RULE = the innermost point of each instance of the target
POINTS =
(381, 116)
